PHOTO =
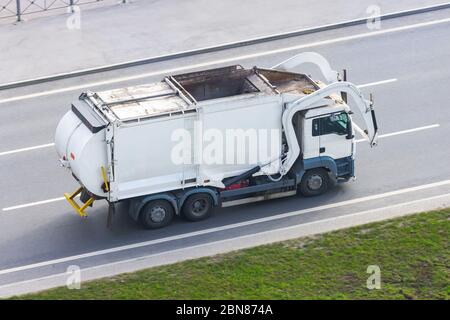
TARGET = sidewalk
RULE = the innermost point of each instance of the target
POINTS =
(144, 28)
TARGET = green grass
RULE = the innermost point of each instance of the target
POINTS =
(412, 252)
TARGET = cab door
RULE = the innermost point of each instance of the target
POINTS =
(310, 144)
(334, 135)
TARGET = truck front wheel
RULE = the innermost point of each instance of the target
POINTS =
(197, 207)
(156, 214)
(314, 182)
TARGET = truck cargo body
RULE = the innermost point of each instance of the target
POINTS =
(149, 143)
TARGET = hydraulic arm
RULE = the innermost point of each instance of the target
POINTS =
(318, 98)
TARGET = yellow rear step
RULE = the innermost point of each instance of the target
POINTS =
(80, 210)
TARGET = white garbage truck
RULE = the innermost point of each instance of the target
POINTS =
(211, 138)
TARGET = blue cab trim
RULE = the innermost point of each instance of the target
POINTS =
(339, 168)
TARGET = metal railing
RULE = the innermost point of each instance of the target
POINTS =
(18, 8)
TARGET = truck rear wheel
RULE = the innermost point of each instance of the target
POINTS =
(156, 214)
(197, 207)
(314, 182)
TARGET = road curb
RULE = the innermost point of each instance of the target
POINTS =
(225, 46)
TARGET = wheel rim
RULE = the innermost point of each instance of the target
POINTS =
(199, 207)
(315, 182)
(157, 214)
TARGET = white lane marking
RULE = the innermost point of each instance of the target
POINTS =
(227, 60)
(376, 83)
(37, 203)
(218, 242)
(404, 132)
(52, 144)
(27, 149)
(31, 204)
(227, 227)
(360, 140)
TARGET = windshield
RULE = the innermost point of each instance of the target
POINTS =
(336, 123)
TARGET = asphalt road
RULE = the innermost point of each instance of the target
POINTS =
(412, 63)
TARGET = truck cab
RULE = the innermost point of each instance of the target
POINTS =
(326, 139)
(329, 136)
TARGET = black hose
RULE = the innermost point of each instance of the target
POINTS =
(229, 181)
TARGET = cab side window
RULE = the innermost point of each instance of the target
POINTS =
(332, 124)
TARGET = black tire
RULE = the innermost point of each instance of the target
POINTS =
(314, 182)
(156, 214)
(197, 207)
